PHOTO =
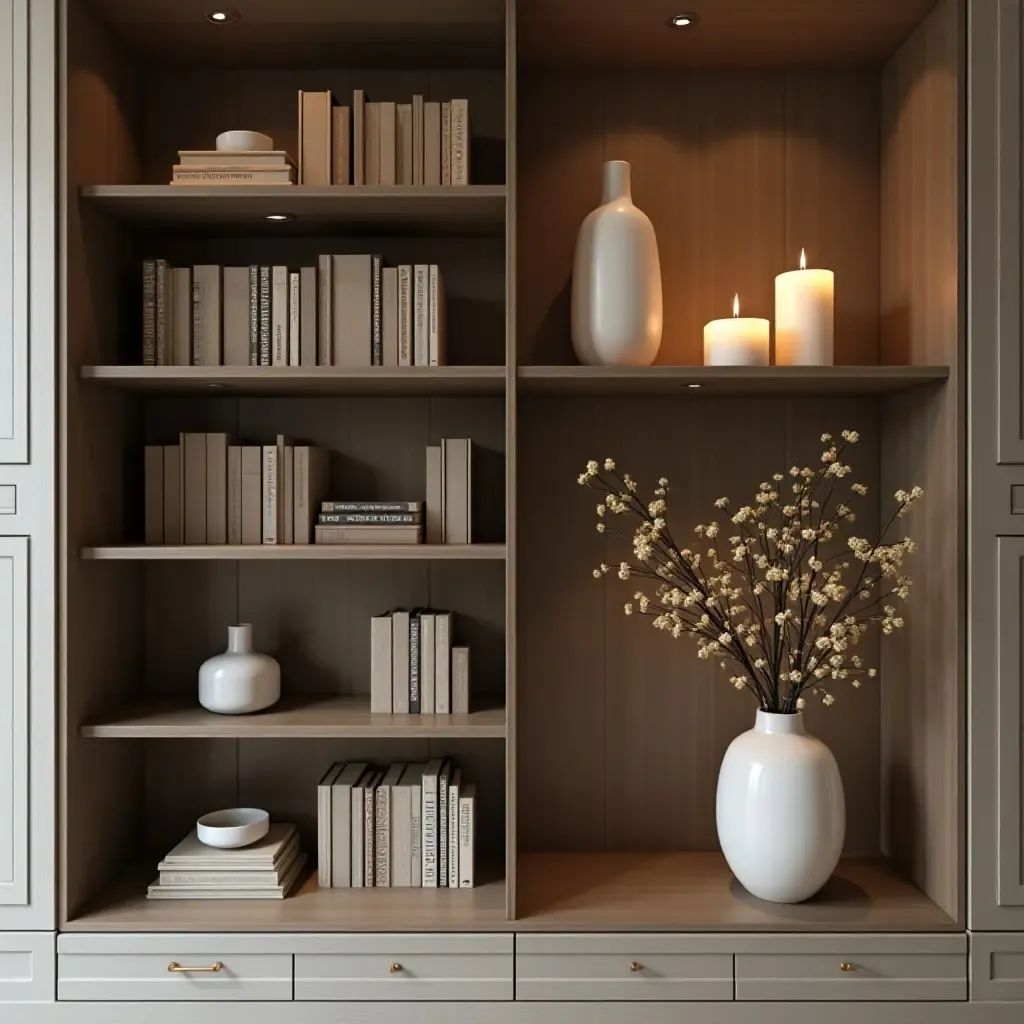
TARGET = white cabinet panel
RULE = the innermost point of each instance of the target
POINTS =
(997, 968)
(27, 967)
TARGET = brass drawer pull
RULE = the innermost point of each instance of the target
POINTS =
(844, 966)
(394, 968)
(635, 967)
(175, 968)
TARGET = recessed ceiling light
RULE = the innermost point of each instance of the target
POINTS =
(693, 385)
(224, 16)
(279, 216)
(687, 19)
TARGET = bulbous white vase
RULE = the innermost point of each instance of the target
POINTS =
(781, 811)
(239, 681)
(616, 280)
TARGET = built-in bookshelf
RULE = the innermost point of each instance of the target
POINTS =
(594, 747)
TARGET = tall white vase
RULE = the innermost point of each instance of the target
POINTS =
(616, 280)
(781, 811)
(239, 681)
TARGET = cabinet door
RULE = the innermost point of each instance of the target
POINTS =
(27, 465)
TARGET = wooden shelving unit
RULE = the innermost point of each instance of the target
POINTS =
(297, 552)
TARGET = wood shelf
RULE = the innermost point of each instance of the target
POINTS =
(348, 209)
(703, 381)
(124, 908)
(697, 892)
(292, 718)
(297, 380)
(296, 552)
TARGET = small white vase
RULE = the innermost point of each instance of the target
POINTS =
(239, 681)
(781, 811)
(616, 280)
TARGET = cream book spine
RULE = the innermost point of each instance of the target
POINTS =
(270, 494)
(294, 338)
(431, 143)
(154, 486)
(435, 495)
(460, 680)
(236, 316)
(456, 490)
(436, 340)
(358, 137)
(173, 505)
(216, 488)
(405, 303)
(372, 119)
(307, 316)
(421, 312)
(315, 137)
(323, 826)
(353, 322)
(389, 316)
(416, 805)
(386, 115)
(446, 143)
(370, 830)
(357, 824)
(417, 140)
(343, 792)
(384, 826)
(287, 495)
(400, 867)
(252, 494)
(206, 315)
(341, 147)
(279, 316)
(400, 662)
(254, 315)
(453, 828)
(403, 146)
(460, 142)
(325, 322)
(430, 822)
(428, 657)
(228, 176)
(467, 836)
(193, 486)
(234, 494)
(443, 663)
(181, 288)
(381, 656)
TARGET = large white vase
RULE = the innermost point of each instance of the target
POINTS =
(616, 280)
(239, 681)
(781, 811)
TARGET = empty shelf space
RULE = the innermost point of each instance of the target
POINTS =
(296, 552)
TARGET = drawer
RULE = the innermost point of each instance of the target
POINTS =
(997, 967)
(621, 967)
(848, 969)
(156, 968)
(26, 967)
(406, 967)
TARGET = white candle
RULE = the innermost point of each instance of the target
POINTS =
(740, 341)
(804, 316)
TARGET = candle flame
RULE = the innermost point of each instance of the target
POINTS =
(736, 306)
(803, 259)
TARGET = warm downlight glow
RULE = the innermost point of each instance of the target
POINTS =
(279, 216)
(685, 20)
(222, 17)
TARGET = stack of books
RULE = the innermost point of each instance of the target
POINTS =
(370, 522)
(449, 479)
(267, 870)
(414, 669)
(207, 489)
(415, 143)
(216, 167)
(208, 315)
(399, 826)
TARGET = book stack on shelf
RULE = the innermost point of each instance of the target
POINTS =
(209, 490)
(219, 167)
(399, 826)
(367, 143)
(267, 870)
(414, 669)
(348, 310)
(370, 522)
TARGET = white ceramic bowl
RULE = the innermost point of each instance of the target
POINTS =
(242, 142)
(233, 828)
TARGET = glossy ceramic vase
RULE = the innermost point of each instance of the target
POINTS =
(239, 681)
(616, 280)
(781, 811)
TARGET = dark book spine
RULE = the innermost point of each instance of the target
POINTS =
(377, 350)
(254, 316)
(442, 825)
(149, 312)
(370, 506)
(162, 291)
(264, 316)
(414, 665)
(369, 519)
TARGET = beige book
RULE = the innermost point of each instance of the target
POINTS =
(216, 488)
(358, 137)
(269, 852)
(204, 158)
(293, 318)
(287, 495)
(437, 328)
(370, 829)
(403, 144)
(389, 316)
(154, 485)
(435, 494)
(446, 143)
(206, 315)
(252, 494)
(383, 825)
(341, 149)
(417, 140)
(307, 316)
(315, 137)
(274, 892)
(400, 662)
(460, 680)
(405, 300)
(353, 316)
(428, 656)
(414, 774)
(236, 316)
(467, 835)
(380, 665)
(431, 143)
(369, 534)
(279, 316)
(271, 474)
(341, 824)
(460, 142)
(372, 120)
(173, 511)
(232, 176)
(324, 825)
(234, 494)
(312, 471)
(401, 831)
(356, 828)
(181, 300)
(387, 129)
(456, 490)
(454, 785)
(325, 306)
(421, 314)
(193, 487)
(443, 663)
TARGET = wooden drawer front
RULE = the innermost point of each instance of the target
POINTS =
(413, 967)
(145, 976)
(997, 967)
(867, 976)
(620, 967)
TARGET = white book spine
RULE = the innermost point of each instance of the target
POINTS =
(436, 332)
(325, 320)
(416, 806)
(453, 831)
(382, 838)
(400, 663)
(443, 664)
(279, 316)
(369, 834)
(380, 665)
(357, 829)
(421, 309)
(206, 315)
(467, 842)
(234, 494)
(405, 327)
(270, 495)
(294, 336)
(401, 836)
(429, 826)
(428, 658)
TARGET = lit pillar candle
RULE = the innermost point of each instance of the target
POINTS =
(804, 316)
(741, 341)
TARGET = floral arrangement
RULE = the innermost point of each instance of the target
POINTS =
(784, 606)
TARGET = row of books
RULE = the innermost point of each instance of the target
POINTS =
(404, 825)
(219, 167)
(349, 310)
(209, 490)
(414, 669)
(266, 870)
(367, 143)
